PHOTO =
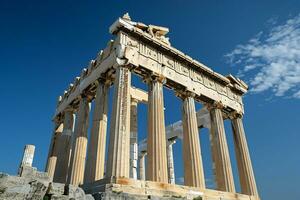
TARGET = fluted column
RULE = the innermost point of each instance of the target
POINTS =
(171, 171)
(53, 150)
(223, 167)
(77, 162)
(142, 166)
(119, 147)
(65, 145)
(246, 175)
(214, 156)
(193, 167)
(156, 141)
(133, 139)
(96, 151)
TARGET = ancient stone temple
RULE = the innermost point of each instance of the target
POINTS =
(144, 50)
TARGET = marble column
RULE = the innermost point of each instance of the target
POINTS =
(246, 175)
(142, 166)
(96, 151)
(119, 146)
(156, 141)
(171, 172)
(79, 146)
(28, 155)
(133, 139)
(65, 145)
(193, 167)
(27, 158)
(223, 167)
(53, 150)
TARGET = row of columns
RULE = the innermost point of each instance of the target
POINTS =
(123, 135)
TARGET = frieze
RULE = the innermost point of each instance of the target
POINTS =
(209, 82)
(168, 61)
(221, 89)
(179, 67)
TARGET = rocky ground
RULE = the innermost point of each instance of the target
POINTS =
(34, 185)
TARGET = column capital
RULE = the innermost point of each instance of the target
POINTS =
(57, 120)
(214, 105)
(155, 78)
(134, 101)
(69, 109)
(106, 79)
(86, 94)
(235, 115)
(142, 154)
(183, 94)
(171, 141)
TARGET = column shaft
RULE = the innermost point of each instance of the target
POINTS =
(193, 167)
(223, 168)
(77, 162)
(133, 139)
(53, 151)
(156, 141)
(96, 152)
(119, 148)
(171, 171)
(62, 164)
(246, 175)
(142, 166)
(214, 156)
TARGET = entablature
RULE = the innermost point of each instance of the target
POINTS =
(146, 50)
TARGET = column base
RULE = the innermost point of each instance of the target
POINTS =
(126, 188)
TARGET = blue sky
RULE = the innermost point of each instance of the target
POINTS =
(43, 46)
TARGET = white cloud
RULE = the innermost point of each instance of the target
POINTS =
(271, 60)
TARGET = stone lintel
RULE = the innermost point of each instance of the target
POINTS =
(139, 95)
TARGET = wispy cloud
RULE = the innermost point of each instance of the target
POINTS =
(270, 61)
